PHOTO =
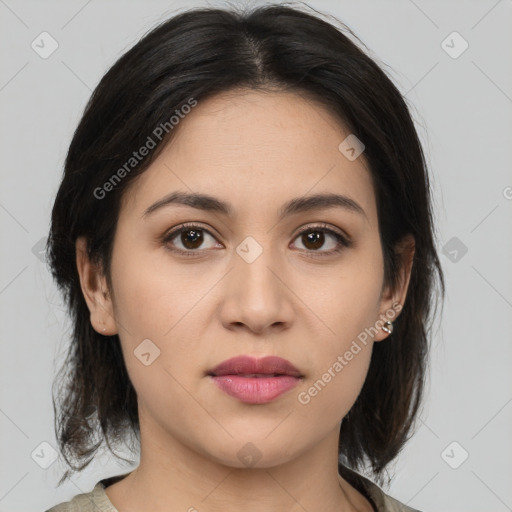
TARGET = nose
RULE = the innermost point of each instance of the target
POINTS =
(257, 297)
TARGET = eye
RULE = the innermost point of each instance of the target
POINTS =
(190, 236)
(314, 237)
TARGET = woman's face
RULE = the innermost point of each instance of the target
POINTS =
(246, 281)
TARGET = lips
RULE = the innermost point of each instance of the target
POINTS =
(247, 366)
(255, 381)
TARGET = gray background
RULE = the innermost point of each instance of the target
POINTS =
(462, 107)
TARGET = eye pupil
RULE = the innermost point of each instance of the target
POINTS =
(316, 238)
(196, 238)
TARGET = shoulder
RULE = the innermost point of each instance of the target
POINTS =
(383, 501)
(93, 501)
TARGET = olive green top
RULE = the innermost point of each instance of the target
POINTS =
(97, 500)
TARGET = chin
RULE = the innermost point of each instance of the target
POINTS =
(251, 452)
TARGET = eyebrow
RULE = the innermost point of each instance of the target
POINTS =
(297, 205)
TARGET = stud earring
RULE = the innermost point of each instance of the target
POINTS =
(388, 327)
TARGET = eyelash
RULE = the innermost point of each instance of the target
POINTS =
(343, 242)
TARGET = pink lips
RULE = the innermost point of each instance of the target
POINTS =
(255, 381)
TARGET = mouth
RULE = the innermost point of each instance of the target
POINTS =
(255, 381)
(251, 367)
(253, 375)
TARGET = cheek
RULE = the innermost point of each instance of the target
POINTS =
(151, 296)
(340, 369)
(334, 389)
(348, 300)
(154, 301)
(348, 307)
(341, 366)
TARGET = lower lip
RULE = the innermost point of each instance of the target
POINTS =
(255, 390)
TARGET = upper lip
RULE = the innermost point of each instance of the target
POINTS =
(270, 365)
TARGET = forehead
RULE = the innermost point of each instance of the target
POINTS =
(256, 150)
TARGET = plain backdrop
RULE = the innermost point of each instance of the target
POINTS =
(460, 90)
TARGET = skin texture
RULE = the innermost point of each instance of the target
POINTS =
(255, 151)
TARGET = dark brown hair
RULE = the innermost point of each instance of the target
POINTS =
(197, 54)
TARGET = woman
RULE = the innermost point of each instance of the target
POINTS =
(244, 237)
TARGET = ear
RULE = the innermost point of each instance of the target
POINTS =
(393, 300)
(95, 291)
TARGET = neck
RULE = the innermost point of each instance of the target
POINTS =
(171, 473)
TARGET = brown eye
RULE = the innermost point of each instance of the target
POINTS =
(189, 240)
(313, 238)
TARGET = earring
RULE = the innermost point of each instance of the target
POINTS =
(388, 327)
(104, 329)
